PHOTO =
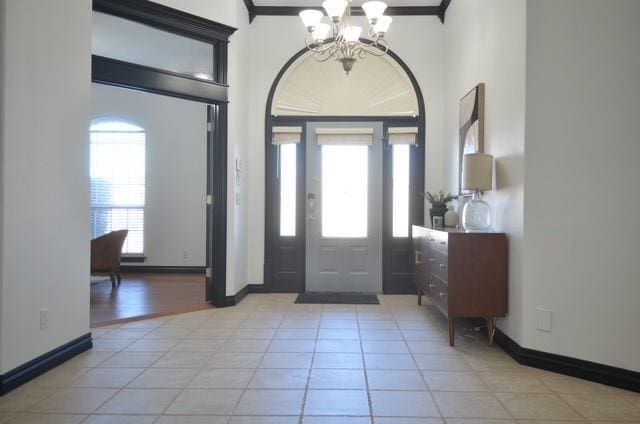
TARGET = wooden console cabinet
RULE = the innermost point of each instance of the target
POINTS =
(464, 274)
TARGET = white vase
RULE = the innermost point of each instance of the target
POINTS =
(450, 218)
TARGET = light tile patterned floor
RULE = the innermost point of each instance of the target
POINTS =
(270, 361)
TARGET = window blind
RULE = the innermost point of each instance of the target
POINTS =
(117, 170)
(286, 135)
(403, 135)
(345, 136)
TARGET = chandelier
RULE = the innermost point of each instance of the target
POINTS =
(340, 39)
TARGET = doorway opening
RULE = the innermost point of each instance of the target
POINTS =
(344, 176)
(148, 181)
(177, 212)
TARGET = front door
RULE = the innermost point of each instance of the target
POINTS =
(344, 208)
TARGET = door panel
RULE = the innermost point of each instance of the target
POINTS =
(343, 217)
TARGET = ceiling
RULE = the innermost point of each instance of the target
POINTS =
(315, 3)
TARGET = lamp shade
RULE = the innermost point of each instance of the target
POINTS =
(321, 32)
(382, 25)
(311, 18)
(477, 172)
(374, 9)
(335, 8)
(351, 33)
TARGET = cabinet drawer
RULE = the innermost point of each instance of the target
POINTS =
(439, 264)
(438, 240)
(439, 293)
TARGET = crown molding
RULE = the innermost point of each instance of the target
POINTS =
(438, 11)
(166, 18)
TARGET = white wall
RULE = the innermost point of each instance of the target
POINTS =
(44, 232)
(233, 13)
(416, 40)
(238, 188)
(176, 170)
(581, 194)
(485, 42)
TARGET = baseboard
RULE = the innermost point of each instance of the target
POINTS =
(237, 298)
(163, 269)
(43, 363)
(586, 370)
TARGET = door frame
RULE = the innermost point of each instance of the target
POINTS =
(212, 94)
(392, 249)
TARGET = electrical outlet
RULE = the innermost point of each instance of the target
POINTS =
(543, 319)
(44, 319)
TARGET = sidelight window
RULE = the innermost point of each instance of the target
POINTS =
(401, 190)
(288, 189)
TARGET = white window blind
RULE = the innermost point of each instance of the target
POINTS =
(286, 135)
(117, 169)
(345, 136)
(403, 135)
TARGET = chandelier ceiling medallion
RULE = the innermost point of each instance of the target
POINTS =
(340, 39)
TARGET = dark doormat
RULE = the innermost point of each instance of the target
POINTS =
(338, 298)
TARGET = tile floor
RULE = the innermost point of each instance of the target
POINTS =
(270, 361)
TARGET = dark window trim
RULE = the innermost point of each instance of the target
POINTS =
(438, 11)
(272, 237)
(216, 251)
(139, 77)
(395, 280)
(179, 23)
(166, 18)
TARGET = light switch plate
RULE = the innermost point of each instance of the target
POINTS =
(543, 319)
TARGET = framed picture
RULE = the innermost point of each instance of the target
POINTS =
(471, 127)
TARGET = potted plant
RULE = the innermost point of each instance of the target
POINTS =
(438, 202)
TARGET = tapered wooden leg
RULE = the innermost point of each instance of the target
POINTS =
(491, 330)
(419, 297)
(452, 334)
(113, 280)
(119, 278)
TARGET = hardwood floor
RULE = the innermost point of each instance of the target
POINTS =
(145, 296)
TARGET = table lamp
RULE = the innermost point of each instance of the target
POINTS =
(477, 176)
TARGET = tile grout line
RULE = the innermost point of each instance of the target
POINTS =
(364, 369)
(420, 372)
(306, 387)
(255, 370)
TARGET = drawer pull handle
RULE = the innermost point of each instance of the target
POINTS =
(431, 260)
(431, 285)
(418, 257)
(443, 243)
(432, 240)
(443, 294)
(443, 266)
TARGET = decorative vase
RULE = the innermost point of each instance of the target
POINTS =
(437, 210)
(476, 214)
(450, 218)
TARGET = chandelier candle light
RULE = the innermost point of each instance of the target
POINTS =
(340, 39)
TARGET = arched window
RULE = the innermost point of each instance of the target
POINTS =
(117, 169)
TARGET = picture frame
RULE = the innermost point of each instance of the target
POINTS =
(471, 127)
